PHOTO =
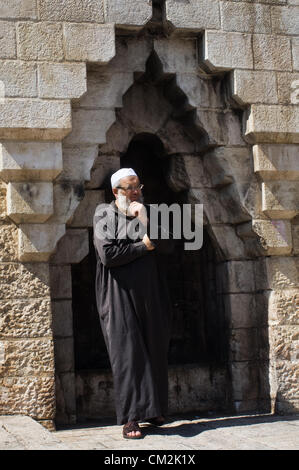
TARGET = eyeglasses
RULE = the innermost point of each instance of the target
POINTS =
(132, 188)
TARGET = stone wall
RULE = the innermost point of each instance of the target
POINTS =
(54, 113)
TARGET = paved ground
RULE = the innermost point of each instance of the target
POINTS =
(258, 432)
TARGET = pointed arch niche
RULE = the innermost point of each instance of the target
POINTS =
(183, 135)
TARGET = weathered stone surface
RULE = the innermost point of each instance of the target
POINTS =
(280, 199)
(34, 119)
(284, 19)
(15, 9)
(77, 162)
(61, 282)
(105, 165)
(283, 307)
(71, 10)
(31, 395)
(29, 202)
(230, 245)
(8, 242)
(124, 13)
(272, 124)
(226, 51)
(2, 201)
(282, 272)
(236, 277)
(27, 357)
(24, 281)
(254, 87)
(67, 196)
(177, 55)
(295, 53)
(228, 164)
(223, 128)
(97, 42)
(275, 236)
(40, 41)
(90, 126)
(61, 80)
(279, 162)
(243, 344)
(295, 230)
(21, 161)
(64, 355)
(25, 319)
(38, 241)
(240, 310)
(8, 46)
(83, 215)
(105, 90)
(245, 381)
(200, 91)
(19, 78)
(193, 15)
(62, 318)
(72, 248)
(272, 52)
(288, 87)
(131, 55)
(245, 17)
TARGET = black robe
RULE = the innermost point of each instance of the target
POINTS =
(135, 315)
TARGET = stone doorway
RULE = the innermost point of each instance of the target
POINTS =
(215, 360)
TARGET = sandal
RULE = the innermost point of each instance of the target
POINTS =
(157, 421)
(129, 427)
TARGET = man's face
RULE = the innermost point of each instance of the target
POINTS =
(129, 187)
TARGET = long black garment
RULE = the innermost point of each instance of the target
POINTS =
(135, 315)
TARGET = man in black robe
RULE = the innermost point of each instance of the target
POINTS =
(133, 305)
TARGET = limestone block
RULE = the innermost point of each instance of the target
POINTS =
(66, 196)
(34, 119)
(295, 231)
(27, 357)
(287, 396)
(230, 245)
(288, 87)
(38, 241)
(222, 127)
(225, 51)
(123, 13)
(25, 318)
(254, 87)
(62, 318)
(106, 90)
(77, 162)
(193, 15)
(30, 395)
(8, 47)
(273, 162)
(71, 10)
(61, 282)
(64, 355)
(105, 165)
(245, 17)
(195, 171)
(272, 124)
(272, 52)
(2, 201)
(280, 199)
(8, 242)
(19, 78)
(24, 281)
(245, 381)
(228, 164)
(97, 42)
(14, 9)
(282, 272)
(200, 91)
(83, 215)
(283, 307)
(285, 344)
(235, 277)
(29, 202)
(131, 54)
(240, 310)
(177, 55)
(275, 236)
(285, 19)
(30, 160)
(40, 41)
(243, 344)
(90, 126)
(61, 80)
(295, 53)
(72, 248)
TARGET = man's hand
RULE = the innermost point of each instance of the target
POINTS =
(148, 243)
(136, 209)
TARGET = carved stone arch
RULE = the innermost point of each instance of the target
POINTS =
(205, 162)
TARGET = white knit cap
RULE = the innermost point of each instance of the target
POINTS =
(122, 173)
